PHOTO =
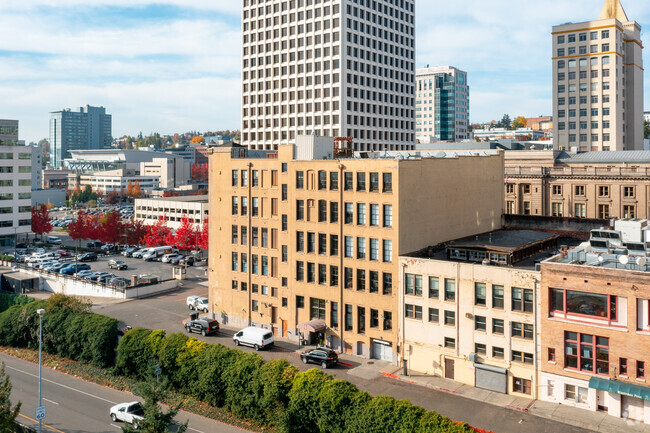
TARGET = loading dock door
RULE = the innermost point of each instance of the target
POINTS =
(491, 378)
(382, 350)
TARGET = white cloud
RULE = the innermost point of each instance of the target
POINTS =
(222, 6)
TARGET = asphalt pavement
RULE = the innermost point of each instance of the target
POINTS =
(74, 405)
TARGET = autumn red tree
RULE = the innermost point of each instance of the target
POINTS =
(200, 171)
(135, 232)
(197, 139)
(186, 236)
(92, 229)
(136, 192)
(113, 197)
(110, 228)
(129, 189)
(41, 221)
(157, 233)
(77, 228)
(171, 193)
(203, 237)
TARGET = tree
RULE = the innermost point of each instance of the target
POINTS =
(203, 238)
(136, 192)
(155, 420)
(197, 139)
(158, 233)
(186, 236)
(135, 232)
(41, 221)
(200, 171)
(129, 189)
(110, 228)
(171, 193)
(113, 197)
(646, 129)
(519, 122)
(7, 414)
(505, 122)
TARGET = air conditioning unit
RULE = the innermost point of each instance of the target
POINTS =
(469, 315)
(473, 357)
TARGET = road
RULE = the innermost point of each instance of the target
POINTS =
(74, 405)
(168, 310)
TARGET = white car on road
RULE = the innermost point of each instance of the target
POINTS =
(130, 413)
(167, 257)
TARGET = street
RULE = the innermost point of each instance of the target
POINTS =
(168, 310)
(74, 405)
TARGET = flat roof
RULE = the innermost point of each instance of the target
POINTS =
(20, 276)
(183, 198)
(502, 240)
(613, 157)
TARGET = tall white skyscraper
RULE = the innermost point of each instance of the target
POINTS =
(441, 104)
(598, 83)
(331, 68)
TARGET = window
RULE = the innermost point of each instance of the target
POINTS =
(388, 215)
(434, 315)
(361, 181)
(640, 370)
(255, 206)
(575, 393)
(300, 302)
(497, 326)
(235, 176)
(334, 181)
(322, 211)
(348, 181)
(322, 274)
(387, 283)
(480, 294)
(557, 189)
(300, 210)
(628, 191)
(497, 352)
(311, 272)
(322, 180)
(622, 366)
(551, 354)
(334, 212)
(285, 223)
(497, 297)
(522, 330)
(348, 277)
(480, 349)
(374, 249)
(235, 261)
(334, 315)
(450, 290)
(580, 210)
(361, 320)
(629, 211)
(256, 178)
(374, 215)
(374, 182)
(388, 250)
(361, 280)
(580, 190)
(603, 211)
(300, 180)
(571, 302)
(450, 343)
(235, 233)
(285, 254)
(374, 318)
(334, 245)
(522, 386)
(450, 318)
(434, 291)
(388, 182)
(374, 282)
(586, 353)
(284, 170)
(317, 308)
(388, 320)
(244, 178)
(348, 317)
(349, 247)
(300, 271)
(522, 300)
(334, 275)
(361, 248)
(349, 213)
(361, 214)
(413, 311)
(235, 205)
(479, 323)
(603, 191)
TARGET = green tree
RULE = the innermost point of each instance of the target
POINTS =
(244, 387)
(337, 400)
(303, 410)
(133, 353)
(168, 356)
(212, 364)
(277, 379)
(155, 420)
(7, 414)
(74, 304)
(646, 129)
(505, 122)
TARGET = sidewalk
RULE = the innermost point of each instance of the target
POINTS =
(586, 419)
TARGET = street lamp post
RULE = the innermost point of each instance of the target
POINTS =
(40, 364)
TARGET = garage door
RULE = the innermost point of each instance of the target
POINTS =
(492, 378)
(632, 408)
(382, 350)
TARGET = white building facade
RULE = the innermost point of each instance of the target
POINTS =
(195, 207)
(15, 184)
(598, 83)
(329, 68)
(441, 104)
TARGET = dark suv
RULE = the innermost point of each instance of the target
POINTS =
(87, 257)
(323, 356)
(201, 326)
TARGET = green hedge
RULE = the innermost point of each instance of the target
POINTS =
(273, 393)
(86, 337)
(7, 300)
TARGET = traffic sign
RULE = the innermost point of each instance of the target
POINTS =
(40, 413)
(158, 370)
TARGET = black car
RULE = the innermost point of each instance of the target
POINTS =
(325, 357)
(95, 244)
(202, 326)
(187, 260)
(117, 264)
(88, 257)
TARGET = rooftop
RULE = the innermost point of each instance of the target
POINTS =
(616, 157)
(502, 240)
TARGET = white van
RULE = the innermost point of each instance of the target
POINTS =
(256, 338)
(54, 240)
(156, 253)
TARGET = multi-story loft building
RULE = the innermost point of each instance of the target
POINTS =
(80, 129)
(595, 324)
(468, 310)
(105, 182)
(598, 83)
(194, 207)
(308, 245)
(330, 68)
(15, 184)
(441, 104)
(584, 185)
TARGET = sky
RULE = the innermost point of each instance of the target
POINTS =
(174, 65)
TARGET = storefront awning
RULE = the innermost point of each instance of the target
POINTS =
(314, 325)
(622, 388)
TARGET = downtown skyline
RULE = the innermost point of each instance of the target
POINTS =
(168, 67)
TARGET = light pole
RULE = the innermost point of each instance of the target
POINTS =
(40, 365)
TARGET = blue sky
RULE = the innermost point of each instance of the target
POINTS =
(173, 65)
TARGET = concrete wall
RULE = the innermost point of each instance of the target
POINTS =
(573, 226)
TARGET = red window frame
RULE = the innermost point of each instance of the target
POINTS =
(551, 354)
(569, 315)
(580, 345)
(640, 370)
(622, 366)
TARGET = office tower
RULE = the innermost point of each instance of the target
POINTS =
(598, 83)
(441, 104)
(15, 184)
(330, 68)
(83, 128)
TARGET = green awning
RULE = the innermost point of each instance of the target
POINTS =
(622, 388)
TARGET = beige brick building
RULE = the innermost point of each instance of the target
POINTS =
(595, 323)
(468, 312)
(308, 245)
(585, 185)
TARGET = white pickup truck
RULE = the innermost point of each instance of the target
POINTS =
(130, 413)
(198, 303)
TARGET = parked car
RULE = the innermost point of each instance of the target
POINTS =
(87, 257)
(74, 268)
(85, 274)
(130, 413)
(187, 260)
(94, 244)
(167, 258)
(45, 264)
(117, 264)
(54, 240)
(201, 326)
(323, 356)
(128, 252)
(97, 275)
(256, 338)
(55, 267)
(198, 303)
(138, 254)
(105, 278)
(119, 281)
(62, 253)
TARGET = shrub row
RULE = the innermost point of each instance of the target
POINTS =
(7, 300)
(80, 336)
(270, 393)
